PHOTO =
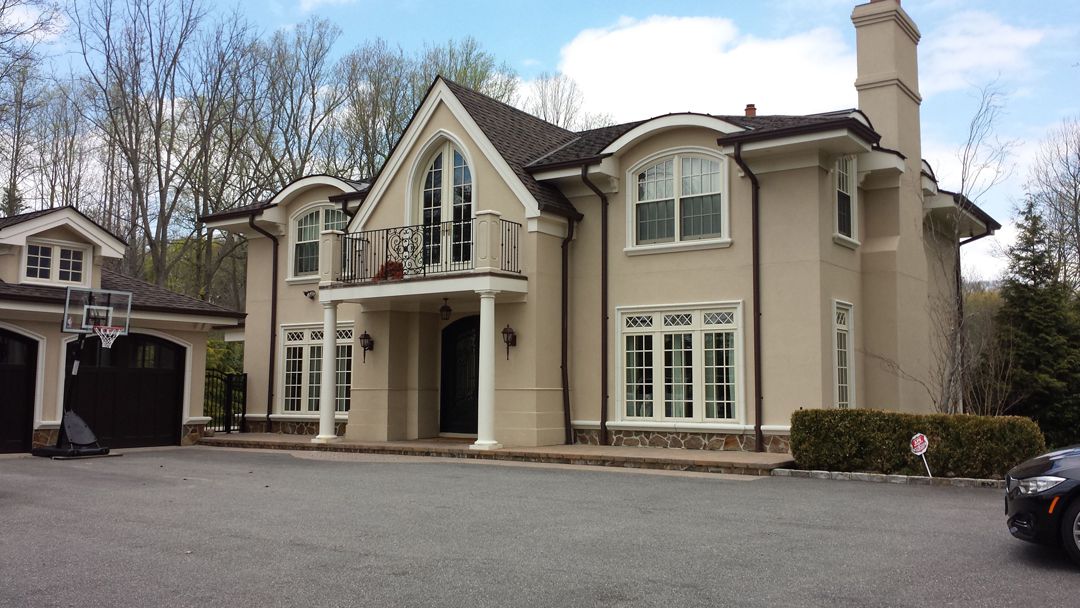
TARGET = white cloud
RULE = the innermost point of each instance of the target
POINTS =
(972, 46)
(638, 68)
(310, 5)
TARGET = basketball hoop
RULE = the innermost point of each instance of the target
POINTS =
(107, 334)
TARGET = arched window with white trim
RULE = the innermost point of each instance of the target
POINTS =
(306, 230)
(679, 198)
(446, 208)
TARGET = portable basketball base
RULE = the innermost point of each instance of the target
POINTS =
(105, 314)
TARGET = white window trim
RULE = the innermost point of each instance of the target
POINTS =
(279, 398)
(724, 240)
(850, 308)
(54, 262)
(852, 241)
(699, 421)
(292, 278)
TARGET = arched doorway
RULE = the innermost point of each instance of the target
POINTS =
(18, 369)
(460, 365)
(132, 394)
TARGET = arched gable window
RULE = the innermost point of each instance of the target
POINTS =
(679, 198)
(446, 207)
(306, 229)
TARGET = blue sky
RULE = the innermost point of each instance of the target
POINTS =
(634, 59)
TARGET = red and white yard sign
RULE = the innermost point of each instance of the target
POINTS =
(919, 445)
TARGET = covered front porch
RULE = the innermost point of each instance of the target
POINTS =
(430, 327)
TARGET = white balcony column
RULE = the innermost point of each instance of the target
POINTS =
(485, 393)
(329, 256)
(328, 381)
(487, 241)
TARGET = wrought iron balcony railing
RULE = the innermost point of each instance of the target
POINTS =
(403, 252)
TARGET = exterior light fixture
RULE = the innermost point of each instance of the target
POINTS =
(509, 338)
(366, 343)
(445, 310)
(310, 294)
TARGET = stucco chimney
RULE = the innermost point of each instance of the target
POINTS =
(751, 109)
(888, 73)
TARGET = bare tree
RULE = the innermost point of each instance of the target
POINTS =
(17, 138)
(1054, 185)
(65, 149)
(23, 24)
(557, 99)
(466, 63)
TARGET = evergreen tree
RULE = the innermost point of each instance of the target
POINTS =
(1039, 320)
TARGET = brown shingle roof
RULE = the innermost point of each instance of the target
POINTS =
(12, 220)
(144, 296)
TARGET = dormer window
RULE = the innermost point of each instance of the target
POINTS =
(55, 263)
(678, 201)
(306, 230)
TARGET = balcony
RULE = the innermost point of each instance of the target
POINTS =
(485, 244)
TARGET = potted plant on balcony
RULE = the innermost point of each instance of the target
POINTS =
(391, 270)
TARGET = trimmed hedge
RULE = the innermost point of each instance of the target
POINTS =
(875, 441)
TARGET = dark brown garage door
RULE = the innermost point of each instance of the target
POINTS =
(18, 366)
(131, 395)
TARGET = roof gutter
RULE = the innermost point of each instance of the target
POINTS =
(603, 302)
(755, 188)
(565, 346)
(273, 318)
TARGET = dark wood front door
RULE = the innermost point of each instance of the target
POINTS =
(132, 394)
(460, 362)
(18, 368)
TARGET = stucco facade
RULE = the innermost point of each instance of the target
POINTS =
(853, 258)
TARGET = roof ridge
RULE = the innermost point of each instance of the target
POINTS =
(506, 105)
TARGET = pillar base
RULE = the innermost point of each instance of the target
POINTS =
(325, 439)
(486, 445)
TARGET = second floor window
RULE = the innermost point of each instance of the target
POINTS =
(47, 262)
(845, 197)
(306, 243)
(678, 199)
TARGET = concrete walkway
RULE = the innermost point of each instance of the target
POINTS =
(704, 461)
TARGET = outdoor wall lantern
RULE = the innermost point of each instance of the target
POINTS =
(509, 338)
(366, 343)
(445, 310)
(310, 294)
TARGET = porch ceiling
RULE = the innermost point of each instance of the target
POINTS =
(428, 290)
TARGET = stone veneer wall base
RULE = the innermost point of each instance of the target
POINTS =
(778, 444)
(292, 427)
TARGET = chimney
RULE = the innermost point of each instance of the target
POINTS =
(886, 41)
(751, 109)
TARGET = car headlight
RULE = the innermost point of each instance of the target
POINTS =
(1035, 485)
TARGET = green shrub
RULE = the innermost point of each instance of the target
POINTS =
(875, 441)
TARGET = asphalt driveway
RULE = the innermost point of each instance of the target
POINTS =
(215, 527)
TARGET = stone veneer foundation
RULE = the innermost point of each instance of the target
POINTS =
(190, 434)
(778, 444)
(292, 427)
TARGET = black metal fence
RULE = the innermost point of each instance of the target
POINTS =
(225, 401)
(388, 254)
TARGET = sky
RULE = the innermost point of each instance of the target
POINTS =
(637, 59)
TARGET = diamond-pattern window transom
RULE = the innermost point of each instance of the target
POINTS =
(719, 318)
(678, 320)
(294, 336)
(639, 321)
(344, 334)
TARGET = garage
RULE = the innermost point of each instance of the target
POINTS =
(132, 394)
(18, 367)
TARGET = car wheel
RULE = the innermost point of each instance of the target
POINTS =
(1070, 530)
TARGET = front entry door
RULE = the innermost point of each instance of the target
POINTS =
(18, 367)
(460, 365)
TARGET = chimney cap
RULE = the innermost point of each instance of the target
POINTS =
(751, 110)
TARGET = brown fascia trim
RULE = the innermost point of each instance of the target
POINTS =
(565, 164)
(857, 127)
(235, 213)
(967, 204)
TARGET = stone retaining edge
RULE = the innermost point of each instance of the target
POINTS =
(914, 480)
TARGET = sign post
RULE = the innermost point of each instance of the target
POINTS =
(919, 445)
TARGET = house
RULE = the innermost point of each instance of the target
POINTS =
(146, 390)
(688, 280)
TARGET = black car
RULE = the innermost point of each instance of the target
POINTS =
(1042, 500)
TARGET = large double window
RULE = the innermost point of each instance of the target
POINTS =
(302, 358)
(681, 364)
(56, 262)
(446, 209)
(679, 198)
(306, 230)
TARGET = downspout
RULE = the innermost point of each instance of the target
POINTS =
(566, 329)
(273, 319)
(755, 297)
(959, 278)
(603, 302)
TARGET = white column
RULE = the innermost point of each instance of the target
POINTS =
(485, 393)
(328, 381)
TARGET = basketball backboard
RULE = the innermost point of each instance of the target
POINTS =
(85, 309)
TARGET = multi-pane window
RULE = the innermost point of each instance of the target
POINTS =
(303, 370)
(446, 208)
(680, 365)
(306, 237)
(845, 196)
(678, 199)
(55, 262)
(843, 364)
